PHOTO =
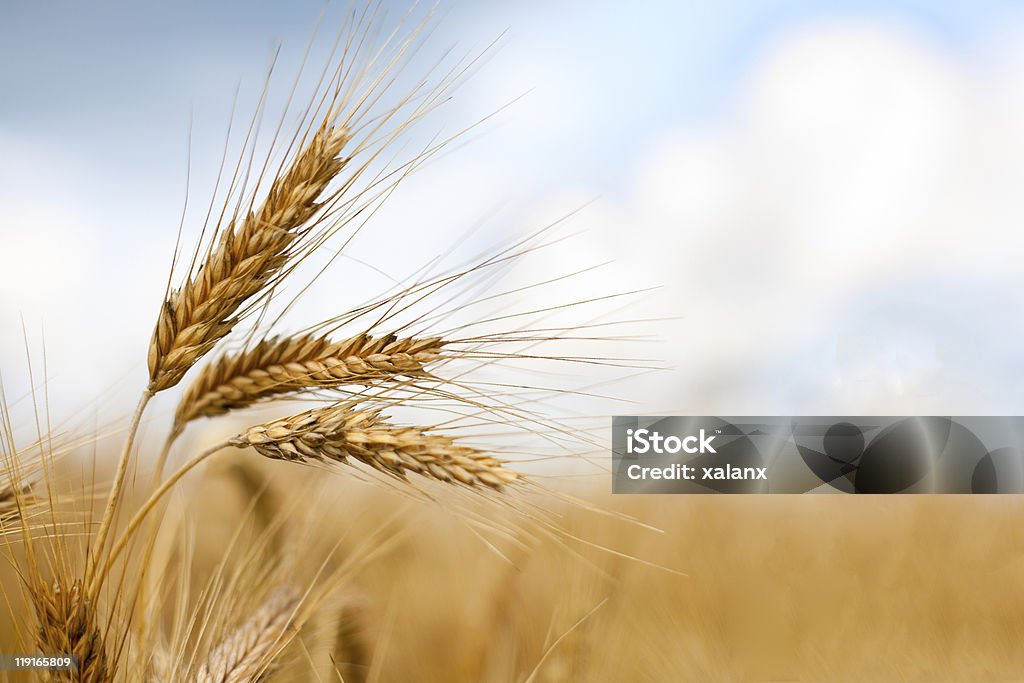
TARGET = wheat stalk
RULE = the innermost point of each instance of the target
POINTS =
(340, 432)
(244, 655)
(68, 625)
(248, 257)
(285, 365)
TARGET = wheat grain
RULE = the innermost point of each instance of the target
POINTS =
(340, 432)
(245, 262)
(68, 625)
(246, 653)
(279, 366)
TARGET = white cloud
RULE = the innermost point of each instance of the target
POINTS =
(843, 240)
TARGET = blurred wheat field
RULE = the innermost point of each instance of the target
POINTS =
(777, 588)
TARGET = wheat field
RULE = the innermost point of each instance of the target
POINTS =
(781, 588)
(391, 493)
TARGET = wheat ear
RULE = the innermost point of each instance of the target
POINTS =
(248, 257)
(246, 653)
(287, 365)
(340, 432)
(68, 625)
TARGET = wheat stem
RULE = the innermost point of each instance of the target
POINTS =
(161, 461)
(148, 506)
(115, 492)
(153, 530)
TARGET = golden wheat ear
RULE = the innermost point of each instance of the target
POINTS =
(290, 365)
(248, 652)
(341, 433)
(251, 252)
(68, 624)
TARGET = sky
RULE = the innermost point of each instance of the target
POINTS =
(825, 193)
